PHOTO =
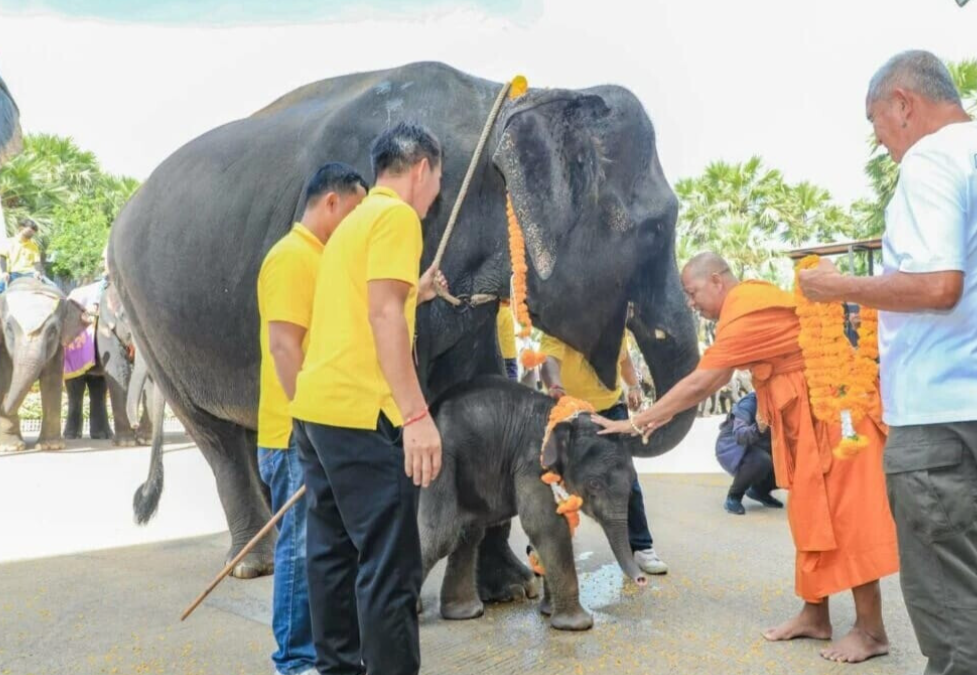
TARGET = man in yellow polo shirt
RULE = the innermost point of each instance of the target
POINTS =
(361, 422)
(285, 287)
(567, 372)
(506, 329)
(21, 256)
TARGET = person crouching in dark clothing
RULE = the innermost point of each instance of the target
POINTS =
(743, 449)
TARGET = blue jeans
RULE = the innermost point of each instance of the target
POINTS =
(291, 619)
(639, 533)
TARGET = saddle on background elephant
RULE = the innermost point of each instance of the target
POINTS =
(580, 168)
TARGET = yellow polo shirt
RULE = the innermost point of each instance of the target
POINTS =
(286, 284)
(341, 383)
(22, 256)
(578, 376)
(505, 325)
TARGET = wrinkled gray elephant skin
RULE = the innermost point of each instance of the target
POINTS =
(583, 174)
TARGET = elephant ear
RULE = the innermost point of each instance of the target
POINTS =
(556, 447)
(74, 322)
(552, 166)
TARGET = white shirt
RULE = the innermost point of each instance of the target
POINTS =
(929, 358)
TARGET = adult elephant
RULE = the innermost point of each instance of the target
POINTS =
(584, 178)
(38, 320)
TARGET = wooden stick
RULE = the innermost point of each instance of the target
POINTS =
(244, 551)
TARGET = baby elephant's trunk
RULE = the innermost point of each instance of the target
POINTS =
(617, 535)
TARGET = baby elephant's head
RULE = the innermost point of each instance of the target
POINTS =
(600, 470)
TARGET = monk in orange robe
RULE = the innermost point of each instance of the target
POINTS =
(838, 509)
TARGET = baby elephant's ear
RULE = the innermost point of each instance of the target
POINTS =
(556, 447)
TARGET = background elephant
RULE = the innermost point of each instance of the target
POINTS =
(583, 174)
(110, 375)
(492, 434)
(38, 320)
(11, 139)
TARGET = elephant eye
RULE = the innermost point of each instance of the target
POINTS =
(595, 484)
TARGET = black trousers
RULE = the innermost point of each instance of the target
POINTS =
(364, 552)
(756, 470)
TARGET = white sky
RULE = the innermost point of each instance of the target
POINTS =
(721, 80)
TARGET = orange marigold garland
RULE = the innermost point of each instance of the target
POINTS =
(840, 380)
(517, 255)
(567, 505)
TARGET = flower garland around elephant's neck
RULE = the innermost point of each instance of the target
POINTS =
(517, 256)
(567, 505)
(841, 380)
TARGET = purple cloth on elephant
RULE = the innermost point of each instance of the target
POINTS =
(79, 355)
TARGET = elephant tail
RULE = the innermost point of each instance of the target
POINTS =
(146, 499)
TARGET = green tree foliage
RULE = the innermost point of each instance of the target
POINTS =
(63, 188)
(749, 214)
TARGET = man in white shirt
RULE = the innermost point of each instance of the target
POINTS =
(928, 348)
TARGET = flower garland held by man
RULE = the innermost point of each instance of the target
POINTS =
(838, 510)
(842, 383)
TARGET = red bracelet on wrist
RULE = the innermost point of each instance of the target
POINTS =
(416, 418)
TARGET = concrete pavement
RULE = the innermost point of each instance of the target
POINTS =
(116, 610)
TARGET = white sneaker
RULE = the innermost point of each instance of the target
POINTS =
(310, 671)
(649, 562)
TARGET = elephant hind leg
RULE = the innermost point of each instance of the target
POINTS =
(459, 592)
(231, 452)
(502, 577)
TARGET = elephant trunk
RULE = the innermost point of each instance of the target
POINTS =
(28, 362)
(616, 532)
(665, 331)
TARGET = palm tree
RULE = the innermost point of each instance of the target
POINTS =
(749, 213)
(63, 189)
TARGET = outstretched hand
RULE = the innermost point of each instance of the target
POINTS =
(621, 427)
(821, 283)
(430, 282)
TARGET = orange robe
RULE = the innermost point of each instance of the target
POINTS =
(838, 509)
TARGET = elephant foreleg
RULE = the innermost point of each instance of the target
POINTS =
(51, 381)
(123, 435)
(550, 536)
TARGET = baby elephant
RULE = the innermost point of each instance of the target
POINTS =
(492, 432)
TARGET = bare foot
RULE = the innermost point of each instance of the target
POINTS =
(856, 647)
(804, 625)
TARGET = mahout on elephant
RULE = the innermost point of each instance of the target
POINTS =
(494, 453)
(580, 168)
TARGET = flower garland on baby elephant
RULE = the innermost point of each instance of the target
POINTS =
(841, 380)
(567, 505)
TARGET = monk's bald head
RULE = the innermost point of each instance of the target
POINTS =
(707, 278)
(706, 264)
